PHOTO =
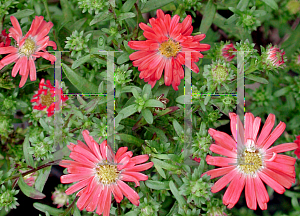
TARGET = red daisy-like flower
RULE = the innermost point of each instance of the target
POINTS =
(4, 39)
(253, 164)
(275, 55)
(31, 46)
(297, 151)
(228, 51)
(165, 47)
(100, 173)
(44, 98)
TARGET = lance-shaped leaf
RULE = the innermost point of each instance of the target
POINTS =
(128, 5)
(27, 155)
(78, 81)
(92, 104)
(165, 165)
(208, 17)
(101, 17)
(44, 208)
(147, 115)
(155, 4)
(126, 16)
(129, 139)
(143, 122)
(271, 3)
(257, 79)
(123, 58)
(42, 178)
(159, 169)
(21, 14)
(181, 201)
(29, 191)
(157, 185)
(154, 103)
(177, 127)
(81, 61)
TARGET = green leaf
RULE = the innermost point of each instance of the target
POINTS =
(175, 192)
(78, 81)
(29, 191)
(21, 14)
(92, 104)
(126, 16)
(207, 98)
(157, 185)
(177, 127)
(80, 100)
(291, 45)
(208, 17)
(165, 165)
(147, 91)
(160, 133)
(257, 79)
(44, 124)
(154, 103)
(28, 157)
(282, 91)
(66, 9)
(135, 93)
(128, 111)
(44, 208)
(123, 58)
(100, 17)
(147, 115)
(81, 61)
(77, 25)
(232, 29)
(42, 178)
(155, 4)
(271, 3)
(242, 5)
(130, 139)
(128, 5)
(160, 170)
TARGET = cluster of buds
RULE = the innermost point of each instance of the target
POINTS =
(59, 197)
(92, 5)
(77, 43)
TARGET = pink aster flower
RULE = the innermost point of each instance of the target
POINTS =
(254, 164)
(297, 151)
(275, 55)
(165, 47)
(4, 39)
(44, 98)
(100, 173)
(31, 46)
(228, 51)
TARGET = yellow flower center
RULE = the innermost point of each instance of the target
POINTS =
(169, 48)
(107, 173)
(250, 162)
(47, 100)
(28, 47)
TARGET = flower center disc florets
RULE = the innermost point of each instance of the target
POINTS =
(107, 173)
(169, 48)
(250, 161)
(219, 73)
(47, 100)
(28, 47)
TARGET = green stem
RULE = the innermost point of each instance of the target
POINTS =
(34, 170)
(137, 20)
(70, 207)
(49, 18)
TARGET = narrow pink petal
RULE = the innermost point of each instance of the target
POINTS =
(16, 25)
(222, 151)
(284, 159)
(278, 166)
(220, 161)
(80, 169)
(24, 79)
(94, 199)
(9, 59)
(32, 69)
(117, 193)
(9, 49)
(80, 158)
(139, 159)
(249, 119)
(214, 173)
(102, 199)
(120, 152)
(266, 130)
(222, 182)
(140, 168)
(279, 178)
(16, 68)
(274, 135)
(129, 193)
(168, 72)
(222, 139)
(272, 183)
(79, 185)
(123, 162)
(85, 153)
(256, 126)
(70, 178)
(24, 62)
(261, 194)
(237, 186)
(107, 203)
(282, 148)
(250, 193)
